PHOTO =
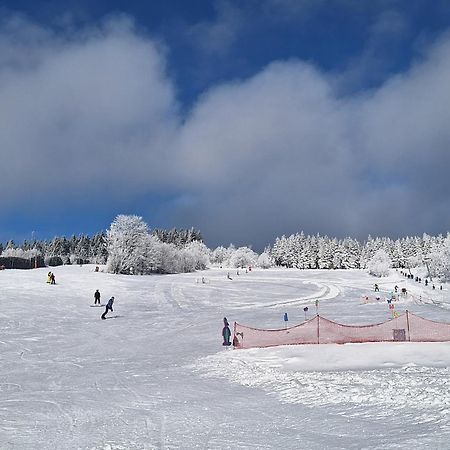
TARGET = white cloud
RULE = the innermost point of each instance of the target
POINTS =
(96, 106)
(272, 154)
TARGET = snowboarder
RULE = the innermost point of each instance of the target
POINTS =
(97, 297)
(226, 333)
(108, 307)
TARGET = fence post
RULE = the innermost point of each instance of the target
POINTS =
(318, 328)
(407, 325)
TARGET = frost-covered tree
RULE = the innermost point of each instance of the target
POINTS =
(264, 261)
(170, 261)
(127, 241)
(20, 253)
(219, 255)
(440, 261)
(10, 245)
(99, 249)
(379, 264)
(243, 257)
(200, 254)
(326, 253)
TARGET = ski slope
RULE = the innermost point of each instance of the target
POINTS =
(155, 375)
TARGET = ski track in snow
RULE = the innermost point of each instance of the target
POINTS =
(328, 291)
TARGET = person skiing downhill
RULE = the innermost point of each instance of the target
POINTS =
(226, 333)
(108, 307)
(97, 297)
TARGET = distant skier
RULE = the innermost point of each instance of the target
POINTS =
(97, 297)
(109, 307)
(49, 277)
(52, 277)
(376, 288)
(228, 276)
(226, 333)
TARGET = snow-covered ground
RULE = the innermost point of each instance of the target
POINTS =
(155, 375)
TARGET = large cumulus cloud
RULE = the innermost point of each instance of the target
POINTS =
(84, 110)
(255, 158)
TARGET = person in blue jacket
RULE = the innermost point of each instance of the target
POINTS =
(109, 307)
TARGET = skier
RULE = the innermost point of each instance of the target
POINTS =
(52, 277)
(376, 288)
(97, 297)
(228, 276)
(108, 307)
(226, 333)
(49, 277)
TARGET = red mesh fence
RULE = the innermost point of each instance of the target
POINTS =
(318, 330)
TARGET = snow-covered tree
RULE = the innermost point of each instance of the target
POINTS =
(379, 264)
(127, 241)
(219, 255)
(264, 261)
(243, 257)
(200, 254)
(19, 253)
(440, 261)
(170, 261)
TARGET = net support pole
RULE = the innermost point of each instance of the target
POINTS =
(407, 325)
(318, 328)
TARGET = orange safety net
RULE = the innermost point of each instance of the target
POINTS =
(318, 330)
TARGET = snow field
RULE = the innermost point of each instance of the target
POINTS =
(157, 377)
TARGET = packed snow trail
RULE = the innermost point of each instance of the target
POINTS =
(158, 377)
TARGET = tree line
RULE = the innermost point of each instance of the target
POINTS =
(130, 247)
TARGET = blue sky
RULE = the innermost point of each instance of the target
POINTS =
(245, 119)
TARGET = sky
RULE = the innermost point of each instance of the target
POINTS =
(244, 119)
